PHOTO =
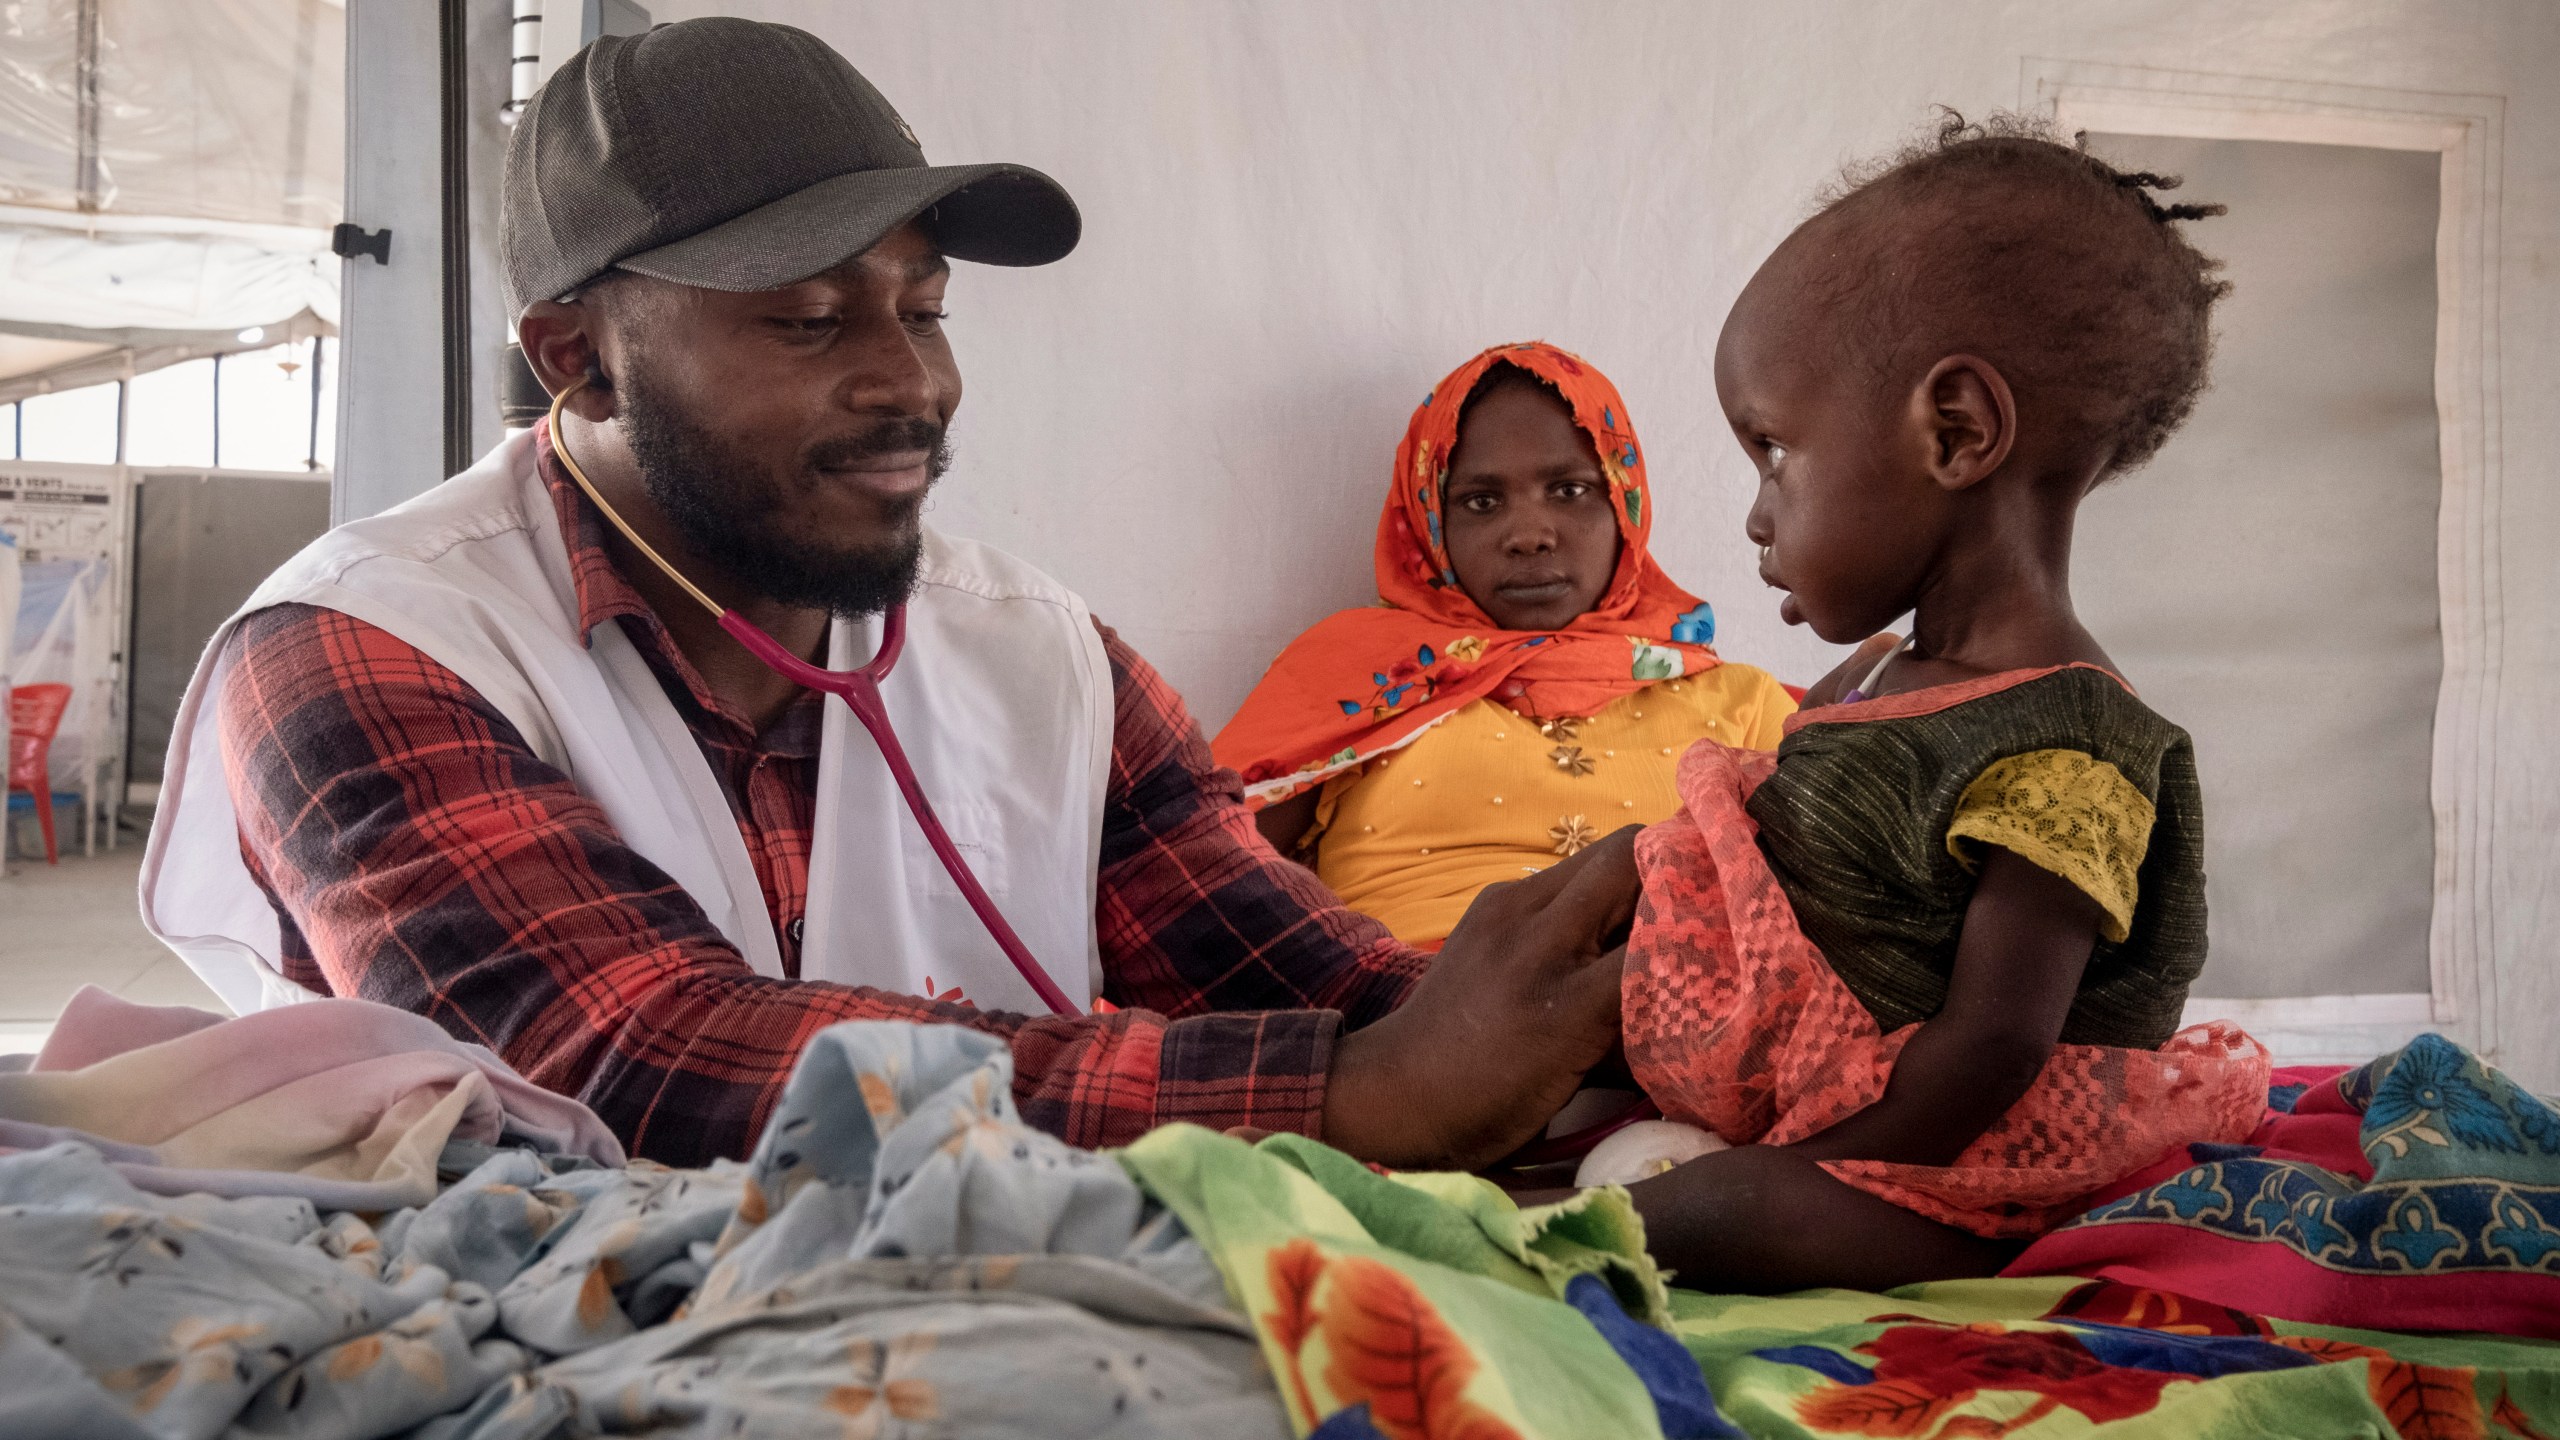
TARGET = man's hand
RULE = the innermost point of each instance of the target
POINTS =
(1496, 1037)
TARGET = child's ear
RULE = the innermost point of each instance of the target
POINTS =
(1969, 420)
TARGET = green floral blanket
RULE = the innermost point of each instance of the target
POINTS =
(1416, 1307)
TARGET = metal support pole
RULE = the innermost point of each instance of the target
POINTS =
(89, 175)
(453, 75)
(390, 364)
(312, 462)
(217, 413)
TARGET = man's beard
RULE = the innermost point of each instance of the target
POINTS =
(736, 514)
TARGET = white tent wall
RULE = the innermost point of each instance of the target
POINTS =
(391, 380)
(1300, 215)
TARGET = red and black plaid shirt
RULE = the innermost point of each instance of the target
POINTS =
(419, 853)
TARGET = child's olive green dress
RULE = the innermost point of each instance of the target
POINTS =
(1875, 828)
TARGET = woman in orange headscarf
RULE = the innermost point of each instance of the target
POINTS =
(1527, 682)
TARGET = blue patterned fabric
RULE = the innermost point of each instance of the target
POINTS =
(2466, 1177)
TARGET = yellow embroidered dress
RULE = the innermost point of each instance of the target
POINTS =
(1488, 795)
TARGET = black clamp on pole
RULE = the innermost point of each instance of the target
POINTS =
(349, 241)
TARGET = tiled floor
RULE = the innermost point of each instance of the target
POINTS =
(73, 924)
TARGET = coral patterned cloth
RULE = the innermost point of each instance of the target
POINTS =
(1734, 1021)
(1362, 682)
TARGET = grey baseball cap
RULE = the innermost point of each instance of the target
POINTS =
(736, 155)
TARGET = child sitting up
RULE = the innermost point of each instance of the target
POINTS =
(1932, 956)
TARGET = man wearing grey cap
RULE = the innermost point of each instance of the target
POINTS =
(488, 758)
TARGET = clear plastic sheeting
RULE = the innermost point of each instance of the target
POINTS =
(74, 427)
(40, 109)
(72, 526)
(63, 635)
(213, 110)
(11, 581)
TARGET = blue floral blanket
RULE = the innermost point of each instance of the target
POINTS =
(901, 1257)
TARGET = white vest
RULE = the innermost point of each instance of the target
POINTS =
(1002, 698)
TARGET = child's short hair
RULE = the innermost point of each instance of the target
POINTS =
(2065, 272)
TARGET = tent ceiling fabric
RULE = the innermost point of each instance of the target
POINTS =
(168, 176)
(203, 110)
(161, 282)
(97, 356)
(30, 355)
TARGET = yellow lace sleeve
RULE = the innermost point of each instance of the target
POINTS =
(2070, 812)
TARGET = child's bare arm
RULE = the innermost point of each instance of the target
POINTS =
(2027, 937)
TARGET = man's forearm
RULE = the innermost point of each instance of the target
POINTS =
(1106, 1080)
(688, 1070)
(1196, 912)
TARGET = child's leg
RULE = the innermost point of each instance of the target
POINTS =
(1761, 1220)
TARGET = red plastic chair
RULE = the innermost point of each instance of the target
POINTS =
(35, 713)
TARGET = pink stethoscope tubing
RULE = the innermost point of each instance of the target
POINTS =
(860, 691)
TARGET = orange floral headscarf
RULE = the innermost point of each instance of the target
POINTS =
(1365, 682)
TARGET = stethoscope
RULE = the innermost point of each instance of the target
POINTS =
(860, 691)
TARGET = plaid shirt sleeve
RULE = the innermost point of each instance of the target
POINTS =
(1201, 920)
(419, 853)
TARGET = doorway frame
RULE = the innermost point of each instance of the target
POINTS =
(2464, 959)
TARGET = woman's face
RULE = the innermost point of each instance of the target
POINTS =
(1526, 512)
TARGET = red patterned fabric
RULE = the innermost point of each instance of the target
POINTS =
(2301, 1222)
(1735, 1022)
